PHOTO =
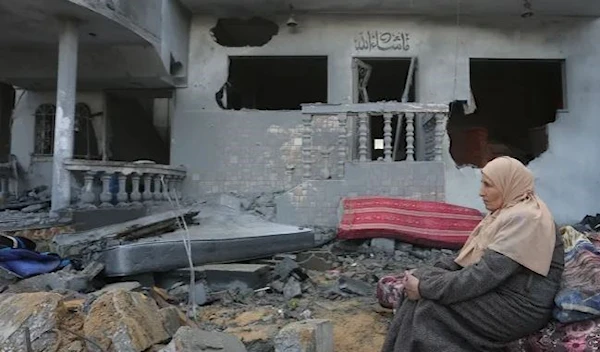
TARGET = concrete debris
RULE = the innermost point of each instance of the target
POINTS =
(181, 291)
(35, 207)
(65, 279)
(306, 336)
(170, 319)
(384, 245)
(230, 201)
(250, 303)
(289, 267)
(125, 286)
(6, 278)
(39, 225)
(292, 288)
(194, 340)
(220, 277)
(354, 286)
(125, 321)
(39, 312)
(314, 260)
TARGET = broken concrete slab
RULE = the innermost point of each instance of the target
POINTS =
(65, 279)
(7, 278)
(35, 207)
(77, 244)
(40, 312)
(292, 288)
(383, 245)
(222, 236)
(125, 321)
(220, 277)
(181, 292)
(288, 267)
(170, 319)
(314, 335)
(188, 339)
(357, 287)
(318, 261)
(126, 286)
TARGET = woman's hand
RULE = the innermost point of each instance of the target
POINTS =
(411, 287)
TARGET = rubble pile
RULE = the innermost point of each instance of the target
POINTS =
(263, 305)
(30, 201)
(316, 295)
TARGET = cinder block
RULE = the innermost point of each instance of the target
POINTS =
(314, 335)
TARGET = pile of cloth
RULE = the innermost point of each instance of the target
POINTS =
(19, 257)
(576, 323)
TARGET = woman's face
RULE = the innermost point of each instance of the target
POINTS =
(490, 194)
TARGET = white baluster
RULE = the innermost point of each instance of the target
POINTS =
(122, 196)
(157, 195)
(88, 198)
(342, 140)
(307, 147)
(165, 187)
(362, 136)
(410, 136)
(178, 187)
(439, 135)
(147, 195)
(172, 189)
(387, 136)
(106, 196)
(136, 196)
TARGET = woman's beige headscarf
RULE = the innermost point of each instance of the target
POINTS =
(522, 229)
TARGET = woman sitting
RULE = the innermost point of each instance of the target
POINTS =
(502, 284)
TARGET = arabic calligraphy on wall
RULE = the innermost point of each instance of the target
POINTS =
(382, 40)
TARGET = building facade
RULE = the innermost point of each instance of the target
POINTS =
(272, 98)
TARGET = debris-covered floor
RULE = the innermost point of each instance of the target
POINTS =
(79, 307)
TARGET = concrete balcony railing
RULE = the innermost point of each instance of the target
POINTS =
(422, 126)
(114, 183)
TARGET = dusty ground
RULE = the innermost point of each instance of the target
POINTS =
(359, 326)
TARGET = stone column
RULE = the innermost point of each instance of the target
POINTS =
(157, 193)
(64, 123)
(136, 196)
(106, 196)
(439, 135)
(342, 141)
(307, 147)
(410, 136)
(165, 187)
(122, 196)
(387, 137)
(88, 197)
(147, 195)
(172, 188)
(4, 187)
(362, 136)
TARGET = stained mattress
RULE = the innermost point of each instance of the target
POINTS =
(218, 239)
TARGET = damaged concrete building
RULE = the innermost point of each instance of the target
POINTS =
(115, 102)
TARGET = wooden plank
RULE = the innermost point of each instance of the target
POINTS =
(77, 244)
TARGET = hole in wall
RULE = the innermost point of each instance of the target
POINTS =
(239, 32)
(516, 100)
(274, 82)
